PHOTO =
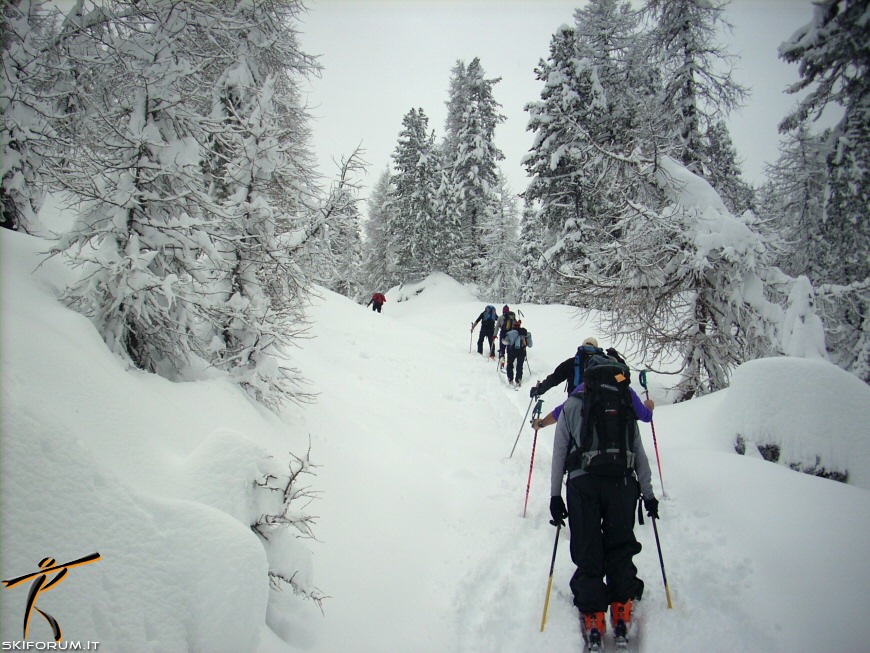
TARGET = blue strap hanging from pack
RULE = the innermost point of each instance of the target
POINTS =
(583, 354)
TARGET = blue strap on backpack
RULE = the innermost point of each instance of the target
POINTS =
(584, 352)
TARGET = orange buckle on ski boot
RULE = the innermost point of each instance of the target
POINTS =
(594, 621)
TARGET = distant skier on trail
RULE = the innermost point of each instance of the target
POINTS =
(487, 321)
(516, 341)
(597, 443)
(377, 301)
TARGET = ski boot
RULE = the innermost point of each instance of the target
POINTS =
(593, 625)
(620, 619)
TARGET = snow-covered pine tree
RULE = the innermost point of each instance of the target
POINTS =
(25, 132)
(412, 200)
(833, 60)
(693, 279)
(449, 222)
(139, 236)
(260, 174)
(345, 242)
(259, 293)
(724, 173)
(378, 258)
(445, 235)
(472, 156)
(210, 175)
(793, 197)
(327, 225)
(457, 102)
(552, 163)
(698, 87)
(534, 272)
(500, 266)
(590, 105)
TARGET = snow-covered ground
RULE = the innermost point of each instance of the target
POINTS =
(422, 545)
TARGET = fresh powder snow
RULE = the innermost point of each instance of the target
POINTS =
(420, 544)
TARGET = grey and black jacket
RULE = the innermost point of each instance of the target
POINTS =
(571, 422)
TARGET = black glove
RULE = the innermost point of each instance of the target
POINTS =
(558, 511)
(533, 393)
(652, 507)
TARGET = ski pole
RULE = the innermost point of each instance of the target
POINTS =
(550, 581)
(537, 412)
(470, 337)
(662, 563)
(655, 441)
(521, 426)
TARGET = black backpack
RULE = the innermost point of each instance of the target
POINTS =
(509, 320)
(609, 421)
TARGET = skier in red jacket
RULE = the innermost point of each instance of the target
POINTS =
(377, 301)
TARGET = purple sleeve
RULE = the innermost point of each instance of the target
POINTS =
(644, 414)
(558, 409)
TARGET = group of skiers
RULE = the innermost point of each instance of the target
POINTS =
(597, 450)
(513, 341)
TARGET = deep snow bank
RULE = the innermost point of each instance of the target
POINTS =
(158, 477)
(438, 287)
(810, 414)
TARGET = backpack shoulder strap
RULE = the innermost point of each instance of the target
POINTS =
(574, 457)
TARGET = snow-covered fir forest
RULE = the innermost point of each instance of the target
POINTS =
(176, 136)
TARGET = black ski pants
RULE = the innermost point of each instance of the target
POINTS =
(486, 331)
(519, 356)
(601, 517)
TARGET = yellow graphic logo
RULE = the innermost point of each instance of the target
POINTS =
(41, 583)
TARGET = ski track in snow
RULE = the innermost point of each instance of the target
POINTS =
(421, 544)
(703, 587)
(499, 603)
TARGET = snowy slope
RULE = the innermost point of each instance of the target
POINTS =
(422, 545)
(444, 560)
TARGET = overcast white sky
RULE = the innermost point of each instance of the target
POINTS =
(382, 58)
